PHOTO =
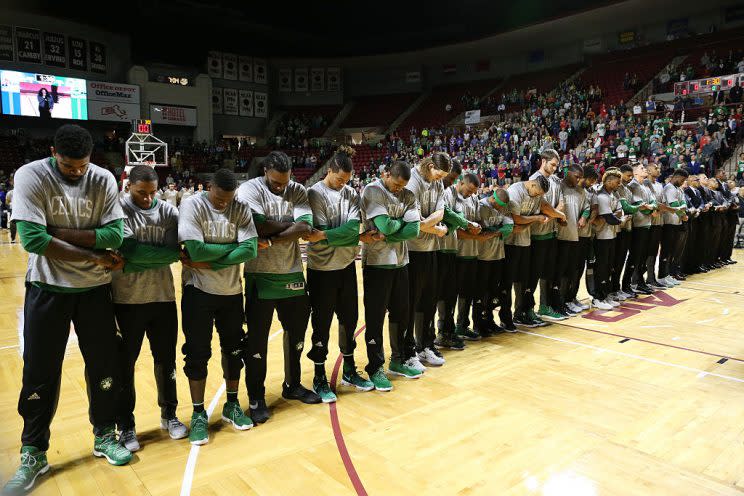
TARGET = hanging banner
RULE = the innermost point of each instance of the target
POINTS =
(230, 66)
(6, 43)
(217, 100)
(259, 71)
(285, 80)
(300, 79)
(113, 92)
(245, 69)
(55, 50)
(413, 77)
(260, 104)
(168, 114)
(317, 79)
(214, 65)
(78, 54)
(113, 111)
(28, 42)
(97, 57)
(334, 79)
(230, 101)
(472, 117)
(246, 103)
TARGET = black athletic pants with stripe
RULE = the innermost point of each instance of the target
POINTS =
(159, 321)
(446, 292)
(293, 313)
(422, 299)
(518, 260)
(386, 290)
(332, 291)
(637, 257)
(542, 265)
(491, 286)
(46, 326)
(654, 243)
(582, 263)
(467, 291)
(604, 250)
(622, 247)
(569, 263)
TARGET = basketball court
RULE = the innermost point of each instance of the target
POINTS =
(647, 400)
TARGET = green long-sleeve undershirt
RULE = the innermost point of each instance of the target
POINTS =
(200, 251)
(504, 229)
(246, 250)
(110, 235)
(409, 230)
(454, 220)
(628, 208)
(141, 256)
(386, 225)
(34, 237)
(344, 235)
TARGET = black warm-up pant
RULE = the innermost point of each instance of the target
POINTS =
(491, 287)
(159, 321)
(422, 299)
(446, 292)
(542, 266)
(293, 313)
(622, 247)
(46, 327)
(569, 267)
(637, 257)
(654, 244)
(672, 245)
(332, 291)
(604, 250)
(200, 312)
(519, 260)
(385, 290)
(467, 291)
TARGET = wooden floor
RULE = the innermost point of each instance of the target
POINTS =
(645, 402)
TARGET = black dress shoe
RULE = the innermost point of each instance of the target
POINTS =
(300, 392)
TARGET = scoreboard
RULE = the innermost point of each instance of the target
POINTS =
(708, 85)
(142, 126)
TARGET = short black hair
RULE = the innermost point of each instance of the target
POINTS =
(681, 172)
(73, 141)
(626, 168)
(225, 180)
(590, 172)
(278, 161)
(342, 159)
(543, 183)
(400, 169)
(142, 173)
(471, 178)
(456, 166)
(576, 168)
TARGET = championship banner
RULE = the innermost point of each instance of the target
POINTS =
(472, 117)
(97, 57)
(259, 71)
(413, 77)
(260, 104)
(113, 111)
(285, 80)
(6, 43)
(230, 101)
(217, 100)
(179, 116)
(55, 50)
(245, 69)
(246, 103)
(230, 66)
(300, 78)
(28, 42)
(334, 79)
(113, 92)
(214, 65)
(78, 54)
(317, 79)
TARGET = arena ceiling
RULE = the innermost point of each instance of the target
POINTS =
(181, 31)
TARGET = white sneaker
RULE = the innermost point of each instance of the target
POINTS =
(415, 364)
(601, 304)
(581, 305)
(626, 296)
(176, 429)
(430, 358)
(619, 296)
(128, 439)
(574, 308)
(670, 281)
(612, 302)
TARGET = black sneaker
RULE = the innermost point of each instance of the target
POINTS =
(524, 321)
(301, 393)
(436, 352)
(449, 341)
(645, 289)
(259, 411)
(567, 311)
(508, 327)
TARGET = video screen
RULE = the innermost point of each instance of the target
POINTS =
(44, 96)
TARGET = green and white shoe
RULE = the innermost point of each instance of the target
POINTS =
(381, 381)
(404, 370)
(547, 313)
(199, 433)
(233, 414)
(33, 464)
(323, 389)
(108, 447)
(352, 378)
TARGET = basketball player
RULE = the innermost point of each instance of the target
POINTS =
(390, 208)
(274, 282)
(145, 301)
(693, 258)
(657, 227)
(447, 256)
(428, 189)
(170, 195)
(624, 235)
(643, 199)
(574, 204)
(672, 241)
(68, 216)
(218, 233)
(331, 270)
(585, 248)
(609, 216)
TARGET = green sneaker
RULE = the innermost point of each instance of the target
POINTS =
(323, 389)
(33, 464)
(467, 334)
(199, 434)
(107, 446)
(398, 368)
(547, 313)
(537, 321)
(380, 381)
(351, 377)
(233, 414)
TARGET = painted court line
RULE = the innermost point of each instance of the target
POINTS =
(188, 473)
(629, 355)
